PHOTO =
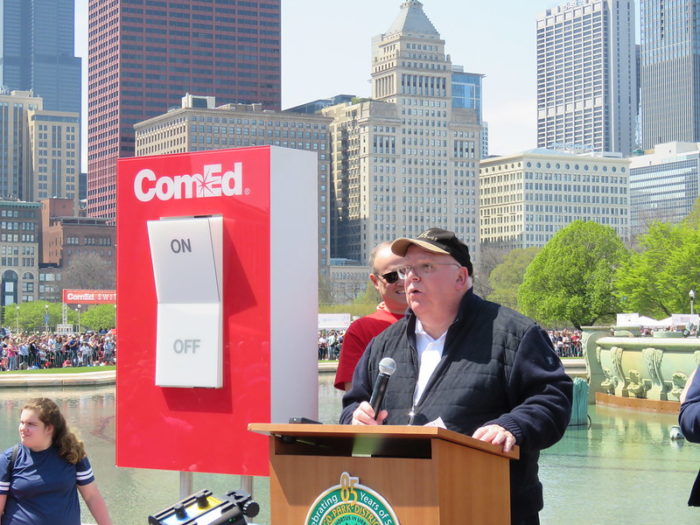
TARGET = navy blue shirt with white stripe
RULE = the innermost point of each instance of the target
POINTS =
(43, 488)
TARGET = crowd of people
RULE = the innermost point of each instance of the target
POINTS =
(567, 343)
(329, 343)
(33, 351)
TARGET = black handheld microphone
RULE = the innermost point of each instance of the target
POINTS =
(387, 366)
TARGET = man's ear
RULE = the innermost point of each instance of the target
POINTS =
(462, 276)
(375, 281)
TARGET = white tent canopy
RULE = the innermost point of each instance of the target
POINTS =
(648, 322)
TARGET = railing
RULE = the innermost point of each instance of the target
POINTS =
(627, 365)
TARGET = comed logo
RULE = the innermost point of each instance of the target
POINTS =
(210, 183)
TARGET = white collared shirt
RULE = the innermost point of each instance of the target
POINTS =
(429, 355)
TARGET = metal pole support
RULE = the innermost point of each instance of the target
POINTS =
(247, 484)
(186, 484)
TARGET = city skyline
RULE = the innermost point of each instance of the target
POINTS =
(506, 54)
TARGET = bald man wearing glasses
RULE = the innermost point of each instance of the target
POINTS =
(466, 364)
(389, 285)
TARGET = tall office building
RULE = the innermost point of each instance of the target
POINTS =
(37, 51)
(39, 149)
(55, 145)
(144, 56)
(467, 92)
(407, 160)
(663, 184)
(15, 150)
(526, 198)
(587, 77)
(670, 71)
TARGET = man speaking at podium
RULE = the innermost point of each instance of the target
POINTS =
(470, 365)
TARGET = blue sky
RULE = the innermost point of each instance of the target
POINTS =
(326, 48)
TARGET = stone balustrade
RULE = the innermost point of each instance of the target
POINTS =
(627, 365)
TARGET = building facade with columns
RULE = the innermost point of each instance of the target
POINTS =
(406, 159)
(527, 197)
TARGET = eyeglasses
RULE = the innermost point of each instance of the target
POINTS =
(421, 269)
(390, 277)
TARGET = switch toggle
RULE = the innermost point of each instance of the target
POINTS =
(187, 259)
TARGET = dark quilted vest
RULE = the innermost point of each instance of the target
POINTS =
(475, 367)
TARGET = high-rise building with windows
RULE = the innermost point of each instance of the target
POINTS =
(15, 151)
(663, 184)
(37, 51)
(670, 71)
(20, 226)
(587, 77)
(55, 145)
(144, 56)
(39, 149)
(527, 197)
(467, 92)
(407, 159)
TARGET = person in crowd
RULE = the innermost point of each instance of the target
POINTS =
(85, 352)
(389, 285)
(72, 346)
(12, 353)
(41, 476)
(108, 350)
(322, 346)
(332, 342)
(32, 350)
(467, 364)
(689, 420)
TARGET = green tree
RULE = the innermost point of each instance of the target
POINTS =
(99, 317)
(656, 280)
(29, 317)
(489, 258)
(571, 278)
(507, 277)
(692, 220)
(369, 296)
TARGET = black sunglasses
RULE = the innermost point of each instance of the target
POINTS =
(390, 277)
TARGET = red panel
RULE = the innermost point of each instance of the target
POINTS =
(198, 430)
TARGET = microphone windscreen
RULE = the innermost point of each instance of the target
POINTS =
(387, 366)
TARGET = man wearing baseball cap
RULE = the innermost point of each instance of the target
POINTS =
(468, 364)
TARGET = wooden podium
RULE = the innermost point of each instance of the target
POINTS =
(427, 475)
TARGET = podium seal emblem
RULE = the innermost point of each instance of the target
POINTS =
(350, 503)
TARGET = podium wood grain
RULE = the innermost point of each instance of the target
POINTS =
(427, 475)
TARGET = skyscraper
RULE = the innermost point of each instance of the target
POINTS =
(37, 51)
(407, 159)
(145, 56)
(467, 93)
(39, 149)
(15, 149)
(663, 184)
(586, 77)
(670, 71)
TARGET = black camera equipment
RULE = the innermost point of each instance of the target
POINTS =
(201, 508)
